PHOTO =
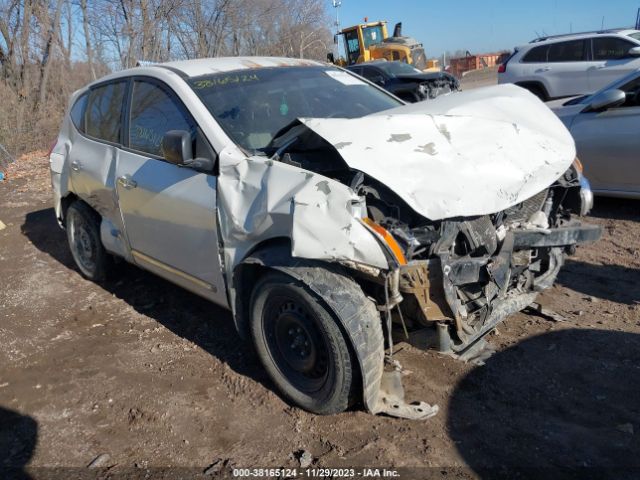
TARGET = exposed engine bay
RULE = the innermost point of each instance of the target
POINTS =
(462, 275)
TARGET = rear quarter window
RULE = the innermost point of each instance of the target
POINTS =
(104, 111)
(536, 55)
(78, 110)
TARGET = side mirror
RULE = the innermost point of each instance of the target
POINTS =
(634, 52)
(176, 146)
(177, 149)
(607, 99)
(330, 58)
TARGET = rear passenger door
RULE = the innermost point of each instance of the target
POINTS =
(97, 117)
(169, 211)
(566, 68)
(611, 60)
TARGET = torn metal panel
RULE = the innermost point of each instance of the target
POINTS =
(467, 154)
(260, 199)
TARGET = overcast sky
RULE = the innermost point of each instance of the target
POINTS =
(488, 25)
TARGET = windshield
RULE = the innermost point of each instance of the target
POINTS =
(253, 105)
(635, 35)
(397, 68)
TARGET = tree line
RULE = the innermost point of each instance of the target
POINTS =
(49, 48)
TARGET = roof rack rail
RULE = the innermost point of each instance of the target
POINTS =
(550, 37)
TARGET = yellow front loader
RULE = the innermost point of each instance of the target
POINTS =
(371, 41)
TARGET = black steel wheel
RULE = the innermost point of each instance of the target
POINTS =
(83, 233)
(301, 345)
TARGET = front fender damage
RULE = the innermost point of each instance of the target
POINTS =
(258, 200)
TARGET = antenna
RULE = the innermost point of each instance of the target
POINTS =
(638, 20)
(602, 23)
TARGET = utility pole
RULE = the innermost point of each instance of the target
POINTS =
(337, 4)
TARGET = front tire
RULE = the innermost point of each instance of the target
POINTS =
(301, 345)
(83, 234)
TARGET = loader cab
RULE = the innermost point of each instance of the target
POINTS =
(360, 38)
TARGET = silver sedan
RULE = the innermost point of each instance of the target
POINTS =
(606, 129)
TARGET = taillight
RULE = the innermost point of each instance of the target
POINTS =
(502, 68)
(53, 145)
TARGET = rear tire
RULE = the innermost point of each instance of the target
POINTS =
(301, 345)
(83, 233)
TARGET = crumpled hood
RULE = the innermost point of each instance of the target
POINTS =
(464, 154)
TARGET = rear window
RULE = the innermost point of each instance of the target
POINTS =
(77, 112)
(635, 35)
(611, 48)
(573, 51)
(536, 55)
(104, 112)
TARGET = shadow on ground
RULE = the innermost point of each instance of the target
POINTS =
(18, 438)
(612, 282)
(616, 208)
(568, 421)
(185, 314)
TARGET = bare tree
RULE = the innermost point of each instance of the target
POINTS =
(48, 48)
(45, 63)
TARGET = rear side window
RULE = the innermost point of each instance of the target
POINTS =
(536, 55)
(573, 51)
(77, 112)
(104, 111)
(153, 113)
(610, 48)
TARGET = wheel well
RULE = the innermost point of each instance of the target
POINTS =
(65, 202)
(247, 274)
(537, 88)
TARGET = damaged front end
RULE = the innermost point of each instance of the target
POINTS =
(463, 276)
(450, 216)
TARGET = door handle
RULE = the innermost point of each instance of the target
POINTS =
(125, 181)
(75, 166)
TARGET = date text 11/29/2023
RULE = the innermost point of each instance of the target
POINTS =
(315, 473)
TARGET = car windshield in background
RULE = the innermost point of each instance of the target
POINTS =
(398, 68)
(253, 105)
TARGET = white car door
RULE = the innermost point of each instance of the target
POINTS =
(169, 212)
(608, 144)
(611, 60)
(565, 70)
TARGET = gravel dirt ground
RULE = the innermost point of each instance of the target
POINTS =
(138, 373)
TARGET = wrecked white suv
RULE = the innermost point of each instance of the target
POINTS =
(324, 212)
